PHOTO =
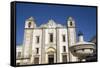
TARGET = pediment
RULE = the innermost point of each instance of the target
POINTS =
(51, 24)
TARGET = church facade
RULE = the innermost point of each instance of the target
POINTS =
(49, 43)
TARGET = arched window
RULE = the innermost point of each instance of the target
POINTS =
(29, 24)
(71, 23)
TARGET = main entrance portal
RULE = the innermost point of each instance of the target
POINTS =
(50, 59)
(51, 55)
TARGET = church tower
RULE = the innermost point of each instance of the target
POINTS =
(27, 43)
(71, 36)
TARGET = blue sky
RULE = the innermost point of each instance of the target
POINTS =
(85, 17)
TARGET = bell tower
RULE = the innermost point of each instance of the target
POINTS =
(28, 34)
(71, 22)
(30, 23)
(71, 36)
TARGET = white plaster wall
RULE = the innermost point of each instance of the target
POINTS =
(72, 34)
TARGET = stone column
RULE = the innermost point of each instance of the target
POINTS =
(57, 45)
(43, 47)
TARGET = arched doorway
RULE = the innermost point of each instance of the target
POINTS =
(51, 58)
(51, 55)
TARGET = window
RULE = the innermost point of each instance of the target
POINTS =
(37, 39)
(64, 58)
(18, 63)
(29, 24)
(71, 23)
(82, 49)
(74, 50)
(37, 50)
(64, 48)
(63, 38)
(51, 37)
(19, 54)
(36, 60)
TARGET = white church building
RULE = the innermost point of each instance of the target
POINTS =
(49, 43)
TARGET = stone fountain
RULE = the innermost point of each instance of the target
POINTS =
(82, 49)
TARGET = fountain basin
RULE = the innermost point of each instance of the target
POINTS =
(82, 50)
